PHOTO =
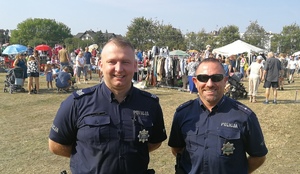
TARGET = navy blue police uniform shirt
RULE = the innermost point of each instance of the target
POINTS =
(107, 136)
(217, 141)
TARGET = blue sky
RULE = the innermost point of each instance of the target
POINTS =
(186, 15)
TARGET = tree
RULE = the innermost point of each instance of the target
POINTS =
(197, 41)
(168, 36)
(47, 30)
(227, 35)
(4, 36)
(73, 43)
(289, 39)
(140, 33)
(256, 35)
(99, 39)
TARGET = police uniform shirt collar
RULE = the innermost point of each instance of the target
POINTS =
(110, 96)
(215, 108)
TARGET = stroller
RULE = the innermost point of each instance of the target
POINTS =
(235, 89)
(14, 81)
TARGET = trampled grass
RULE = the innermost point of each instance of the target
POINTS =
(25, 122)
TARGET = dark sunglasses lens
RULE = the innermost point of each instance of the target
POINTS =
(205, 78)
(202, 78)
(216, 77)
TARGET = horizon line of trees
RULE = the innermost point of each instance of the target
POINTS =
(144, 33)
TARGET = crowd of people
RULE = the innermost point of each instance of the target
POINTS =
(107, 128)
(43, 63)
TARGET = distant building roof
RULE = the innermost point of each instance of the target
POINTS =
(90, 34)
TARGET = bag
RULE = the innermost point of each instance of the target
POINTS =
(246, 65)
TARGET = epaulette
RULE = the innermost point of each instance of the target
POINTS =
(184, 105)
(150, 95)
(244, 108)
(82, 92)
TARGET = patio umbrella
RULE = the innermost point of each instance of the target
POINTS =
(296, 53)
(178, 53)
(14, 49)
(43, 47)
(91, 47)
(193, 51)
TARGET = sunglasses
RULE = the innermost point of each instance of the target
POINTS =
(214, 77)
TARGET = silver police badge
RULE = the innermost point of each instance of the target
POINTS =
(143, 136)
(228, 148)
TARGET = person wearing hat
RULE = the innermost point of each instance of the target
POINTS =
(49, 75)
(207, 51)
(255, 75)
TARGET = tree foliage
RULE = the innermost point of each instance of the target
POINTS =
(47, 31)
(256, 35)
(140, 32)
(4, 36)
(228, 35)
(145, 33)
(100, 39)
(289, 38)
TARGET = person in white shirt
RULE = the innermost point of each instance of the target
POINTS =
(80, 63)
(254, 73)
(292, 64)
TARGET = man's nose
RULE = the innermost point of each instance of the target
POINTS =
(209, 82)
(118, 66)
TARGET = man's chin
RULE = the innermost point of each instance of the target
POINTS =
(211, 99)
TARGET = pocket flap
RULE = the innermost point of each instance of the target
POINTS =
(230, 134)
(97, 120)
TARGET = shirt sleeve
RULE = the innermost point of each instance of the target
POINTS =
(176, 136)
(159, 131)
(63, 129)
(255, 144)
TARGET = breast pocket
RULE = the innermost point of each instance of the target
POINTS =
(142, 129)
(194, 139)
(95, 129)
(230, 142)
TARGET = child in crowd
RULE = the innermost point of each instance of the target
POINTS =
(48, 74)
(98, 69)
(55, 71)
(53, 59)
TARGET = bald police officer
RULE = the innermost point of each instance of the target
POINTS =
(110, 127)
(213, 133)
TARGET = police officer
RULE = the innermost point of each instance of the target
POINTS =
(213, 133)
(110, 127)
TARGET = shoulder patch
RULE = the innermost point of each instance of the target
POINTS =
(184, 105)
(149, 95)
(82, 92)
(243, 108)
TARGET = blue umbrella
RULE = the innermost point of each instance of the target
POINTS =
(14, 49)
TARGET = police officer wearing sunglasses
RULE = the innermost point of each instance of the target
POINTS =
(214, 133)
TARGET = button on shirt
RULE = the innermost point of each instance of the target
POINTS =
(107, 136)
(205, 134)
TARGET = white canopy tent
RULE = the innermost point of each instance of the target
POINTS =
(296, 53)
(237, 47)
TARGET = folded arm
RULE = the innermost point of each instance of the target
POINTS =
(255, 162)
(59, 149)
(152, 147)
(176, 150)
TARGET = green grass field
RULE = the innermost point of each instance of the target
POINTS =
(25, 122)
